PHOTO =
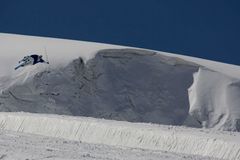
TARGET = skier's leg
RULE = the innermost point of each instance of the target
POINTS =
(18, 67)
(22, 63)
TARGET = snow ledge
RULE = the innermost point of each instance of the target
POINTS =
(224, 145)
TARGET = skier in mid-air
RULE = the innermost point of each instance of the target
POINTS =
(30, 60)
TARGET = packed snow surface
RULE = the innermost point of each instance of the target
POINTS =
(134, 135)
(19, 146)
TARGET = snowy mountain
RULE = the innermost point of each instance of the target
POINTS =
(86, 79)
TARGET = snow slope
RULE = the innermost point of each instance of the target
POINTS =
(113, 82)
(179, 140)
(60, 52)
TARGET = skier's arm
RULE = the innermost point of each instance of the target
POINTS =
(42, 61)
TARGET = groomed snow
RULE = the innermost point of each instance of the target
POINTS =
(22, 146)
(224, 145)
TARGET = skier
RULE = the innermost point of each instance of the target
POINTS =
(37, 59)
(30, 60)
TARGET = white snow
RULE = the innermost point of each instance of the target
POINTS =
(214, 100)
(135, 135)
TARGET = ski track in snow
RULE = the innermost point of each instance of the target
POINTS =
(20, 146)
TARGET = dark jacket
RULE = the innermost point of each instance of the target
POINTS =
(37, 59)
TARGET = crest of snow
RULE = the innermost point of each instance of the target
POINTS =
(60, 52)
(214, 100)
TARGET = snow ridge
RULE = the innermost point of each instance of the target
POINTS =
(121, 84)
(136, 135)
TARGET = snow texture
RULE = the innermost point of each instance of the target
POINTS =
(134, 135)
(19, 146)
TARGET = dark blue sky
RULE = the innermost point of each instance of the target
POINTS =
(200, 28)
